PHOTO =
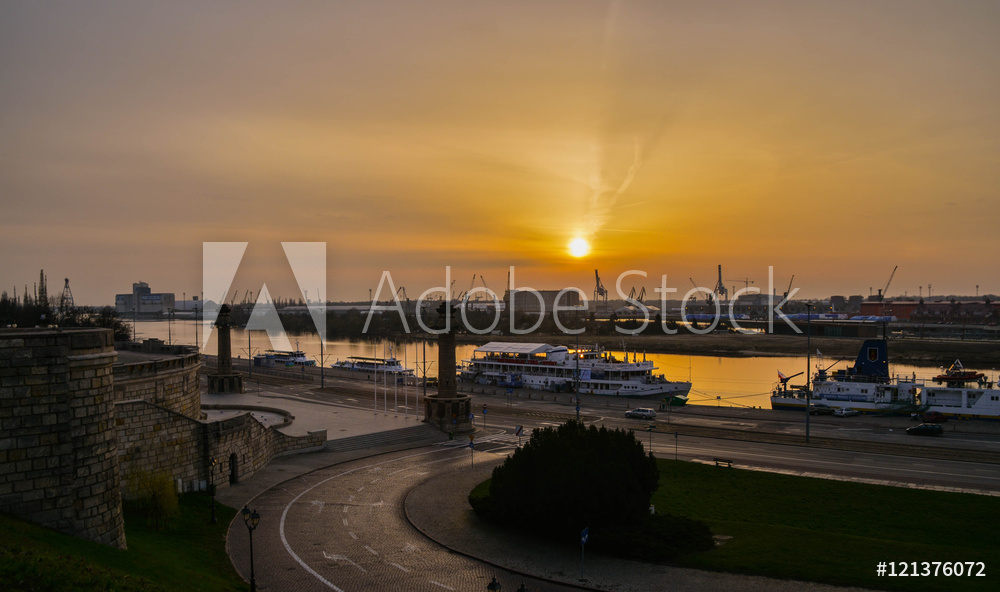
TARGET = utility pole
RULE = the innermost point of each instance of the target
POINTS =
(808, 366)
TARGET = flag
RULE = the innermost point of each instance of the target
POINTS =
(781, 376)
(819, 353)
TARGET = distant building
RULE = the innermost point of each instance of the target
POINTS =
(143, 302)
(527, 302)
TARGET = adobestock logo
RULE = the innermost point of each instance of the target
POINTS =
(553, 301)
(220, 262)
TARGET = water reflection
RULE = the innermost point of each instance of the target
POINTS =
(722, 381)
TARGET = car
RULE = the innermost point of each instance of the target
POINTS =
(640, 413)
(926, 429)
(820, 409)
(934, 417)
(845, 412)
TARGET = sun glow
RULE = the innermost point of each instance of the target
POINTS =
(579, 247)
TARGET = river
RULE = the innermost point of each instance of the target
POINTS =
(716, 380)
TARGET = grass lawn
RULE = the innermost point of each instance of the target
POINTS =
(831, 531)
(190, 555)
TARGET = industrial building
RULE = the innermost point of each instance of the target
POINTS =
(142, 302)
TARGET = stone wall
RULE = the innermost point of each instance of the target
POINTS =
(153, 439)
(57, 447)
(170, 383)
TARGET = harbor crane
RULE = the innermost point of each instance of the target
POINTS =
(402, 290)
(709, 297)
(600, 292)
(465, 293)
(884, 291)
(720, 288)
(640, 298)
(745, 281)
(789, 289)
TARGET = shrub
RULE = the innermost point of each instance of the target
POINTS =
(154, 497)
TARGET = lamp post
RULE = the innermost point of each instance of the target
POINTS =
(808, 367)
(251, 519)
(494, 585)
(211, 486)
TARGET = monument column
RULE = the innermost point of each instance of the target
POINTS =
(225, 380)
(447, 409)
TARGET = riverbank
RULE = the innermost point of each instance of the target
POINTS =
(917, 352)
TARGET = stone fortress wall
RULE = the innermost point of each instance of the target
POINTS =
(58, 455)
(76, 426)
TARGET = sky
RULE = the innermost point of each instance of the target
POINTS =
(832, 141)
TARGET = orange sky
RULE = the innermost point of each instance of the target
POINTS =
(831, 140)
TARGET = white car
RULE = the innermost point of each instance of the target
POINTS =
(640, 413)
(845, 412)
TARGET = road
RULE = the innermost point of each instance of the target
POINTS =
(343, 528)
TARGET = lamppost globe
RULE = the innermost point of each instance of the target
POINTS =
(494, 585)
(251, 519)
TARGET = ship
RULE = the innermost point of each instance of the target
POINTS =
(367, 364)
(274, 357)
(557, 368)
(966, 394)
(866, 387)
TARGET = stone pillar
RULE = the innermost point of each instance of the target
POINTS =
(225, 380)
(223, 325)
(447, 409)
(58, 447)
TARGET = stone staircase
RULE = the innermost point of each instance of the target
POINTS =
(416, 435)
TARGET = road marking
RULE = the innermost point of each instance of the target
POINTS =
(353, 536)
(342, 559)
(360, 489)
(370, 550)
(318, 503)
(400, 567)
(345, 509)
(288, 506)
(442, 585)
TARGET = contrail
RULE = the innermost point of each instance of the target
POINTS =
(601, 208)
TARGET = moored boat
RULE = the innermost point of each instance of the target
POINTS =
(557, 368)
(367, 364)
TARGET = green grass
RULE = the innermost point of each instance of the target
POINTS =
(189, 555)
(830, 531)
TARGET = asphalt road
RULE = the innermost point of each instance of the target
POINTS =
(343, 528)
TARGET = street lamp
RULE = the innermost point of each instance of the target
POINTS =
(808, 366)
(494, 585)
(251, 519)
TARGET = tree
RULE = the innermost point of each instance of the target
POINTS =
(571, 477)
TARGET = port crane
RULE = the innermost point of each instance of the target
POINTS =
(884, 291)
(709, 297)
(745, 281)
(402, 290)
(640, 298)
(600, 292)
(789, 289)
(720, 288)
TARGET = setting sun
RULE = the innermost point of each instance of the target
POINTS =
(579, 247)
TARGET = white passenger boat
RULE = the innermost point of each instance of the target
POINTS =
(364, 364)
(557, 368)
(273, 357)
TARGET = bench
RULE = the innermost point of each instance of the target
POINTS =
(722, 461)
